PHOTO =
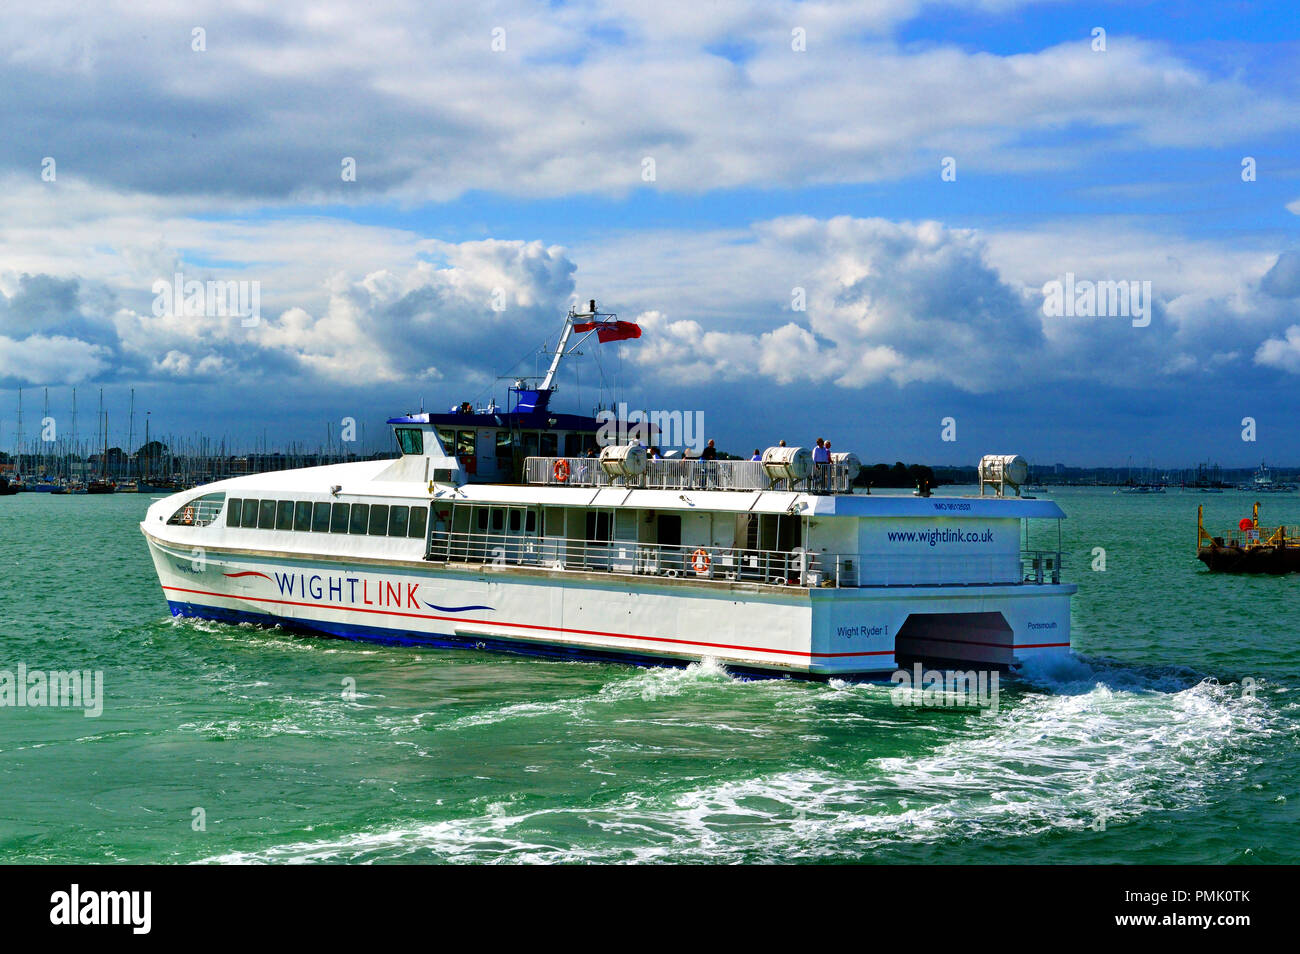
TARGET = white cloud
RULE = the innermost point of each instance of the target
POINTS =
(581, 94)
(1282, 353)
(54, 358)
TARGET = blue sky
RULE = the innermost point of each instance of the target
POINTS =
(501, 156)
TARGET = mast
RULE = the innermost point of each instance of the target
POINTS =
(548, 383)
(130, 436)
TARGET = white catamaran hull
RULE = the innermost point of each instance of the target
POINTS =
(826, 631)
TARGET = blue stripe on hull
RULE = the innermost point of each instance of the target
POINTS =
(375, 634)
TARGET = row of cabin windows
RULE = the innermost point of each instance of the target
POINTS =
(768, 531)
(375, 520)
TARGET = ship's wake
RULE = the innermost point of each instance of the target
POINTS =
(1087, 746)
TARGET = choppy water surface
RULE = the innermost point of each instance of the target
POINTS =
(1172, 737)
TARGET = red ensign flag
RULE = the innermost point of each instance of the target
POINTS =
(610, 330)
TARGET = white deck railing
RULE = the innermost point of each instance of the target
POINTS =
(771, 567)
(680, 474)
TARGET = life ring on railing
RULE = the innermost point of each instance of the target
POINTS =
(188, 517)
(561, 470)
(700, 561)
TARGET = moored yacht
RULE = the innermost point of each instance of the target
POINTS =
(772, 566)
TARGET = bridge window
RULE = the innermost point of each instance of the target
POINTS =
(411, 440)
(464, 443)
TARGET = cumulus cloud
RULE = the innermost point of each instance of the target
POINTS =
(51, 359)
(420, 323)
(1282, 353)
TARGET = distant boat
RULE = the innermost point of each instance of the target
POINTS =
(9, 488)
(1263, 483)
(1144, 489)
(101, 487)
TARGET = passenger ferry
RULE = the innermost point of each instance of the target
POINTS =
(492, 531)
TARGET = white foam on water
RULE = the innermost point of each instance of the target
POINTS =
(1101, 745)
(646, 685)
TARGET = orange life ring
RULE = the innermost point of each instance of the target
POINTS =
(700, 561)
(189, 515)
(561, 470)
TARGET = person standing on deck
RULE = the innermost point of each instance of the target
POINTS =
(821, 461)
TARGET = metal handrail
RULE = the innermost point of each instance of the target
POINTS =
(1261, 536)
(710, 562)
(680, 474)
(707, 562)
(198, 512)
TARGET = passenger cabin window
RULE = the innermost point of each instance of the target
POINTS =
(250, 513)
(233, 511)
(266, 515)
(378, 520)
(320, 518)
(302, 515)
(398, 519)
(339, 518)
(284, 515)
(419, 520)
(411, 440)
(360, 518)
(598, 525)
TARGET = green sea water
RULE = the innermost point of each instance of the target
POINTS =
(1171, 737)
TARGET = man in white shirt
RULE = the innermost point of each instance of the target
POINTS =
(821, 458)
